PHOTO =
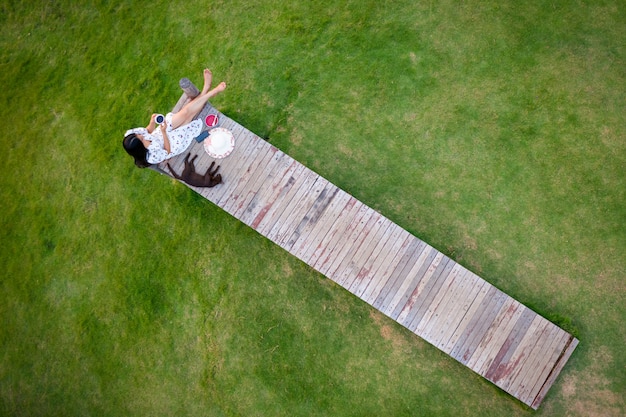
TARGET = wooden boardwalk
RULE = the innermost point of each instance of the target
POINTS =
(405, 278)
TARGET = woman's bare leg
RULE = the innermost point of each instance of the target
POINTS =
(208, 79)
(191, 109)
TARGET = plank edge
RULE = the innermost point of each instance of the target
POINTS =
(555, 372)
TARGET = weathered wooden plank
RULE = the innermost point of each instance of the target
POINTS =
(278, 188)
(493, 340)
(437, 297)
(545, 352)
(426, 266)
(271, 212)
(401, 277)
(331, 238)
(291, 215)
(488, 302)
(363, 264)
(429, 291)
(261, 203)
(399, 272)
(242, 165)
(376, 267)
(246, 147)
(312, 216)
(246, 166)
(317, 219)
(500, 362)
(362, 270)
(457, 307)
(384, 272)
(254, 169)
(547, 359)
(287, 219)
(303, 178)
(533, 349)
(486, 344)
(276, 176)
(425, 325)
(364, 246)
(522, 353)
(357, 244)
(470, 310)
(306, 244)
(334, 259)
(572, 343)
(442, 318)
(260, 183)
(486, 321)
(338, 236)
(297, 216)
(528, 370)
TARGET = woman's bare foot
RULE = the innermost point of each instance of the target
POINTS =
(220, 87)
(208, 79)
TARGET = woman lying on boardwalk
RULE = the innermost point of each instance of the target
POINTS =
(149, 145)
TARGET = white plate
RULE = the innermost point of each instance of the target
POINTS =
(220, 143)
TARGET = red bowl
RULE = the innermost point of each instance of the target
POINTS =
(211, 120)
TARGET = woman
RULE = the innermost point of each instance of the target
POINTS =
(149, 145)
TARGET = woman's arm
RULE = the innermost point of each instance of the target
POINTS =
(152, 124)
(166, 140)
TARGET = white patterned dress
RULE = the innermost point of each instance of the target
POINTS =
(180, 138)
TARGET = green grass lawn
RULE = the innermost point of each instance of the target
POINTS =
(495, 131)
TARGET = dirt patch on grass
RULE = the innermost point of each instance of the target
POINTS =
(389, 333)
(286, 269)
(588, 393)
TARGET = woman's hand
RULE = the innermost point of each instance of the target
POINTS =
(152, 123)
(166, 140)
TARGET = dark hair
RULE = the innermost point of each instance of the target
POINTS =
(135, 148)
